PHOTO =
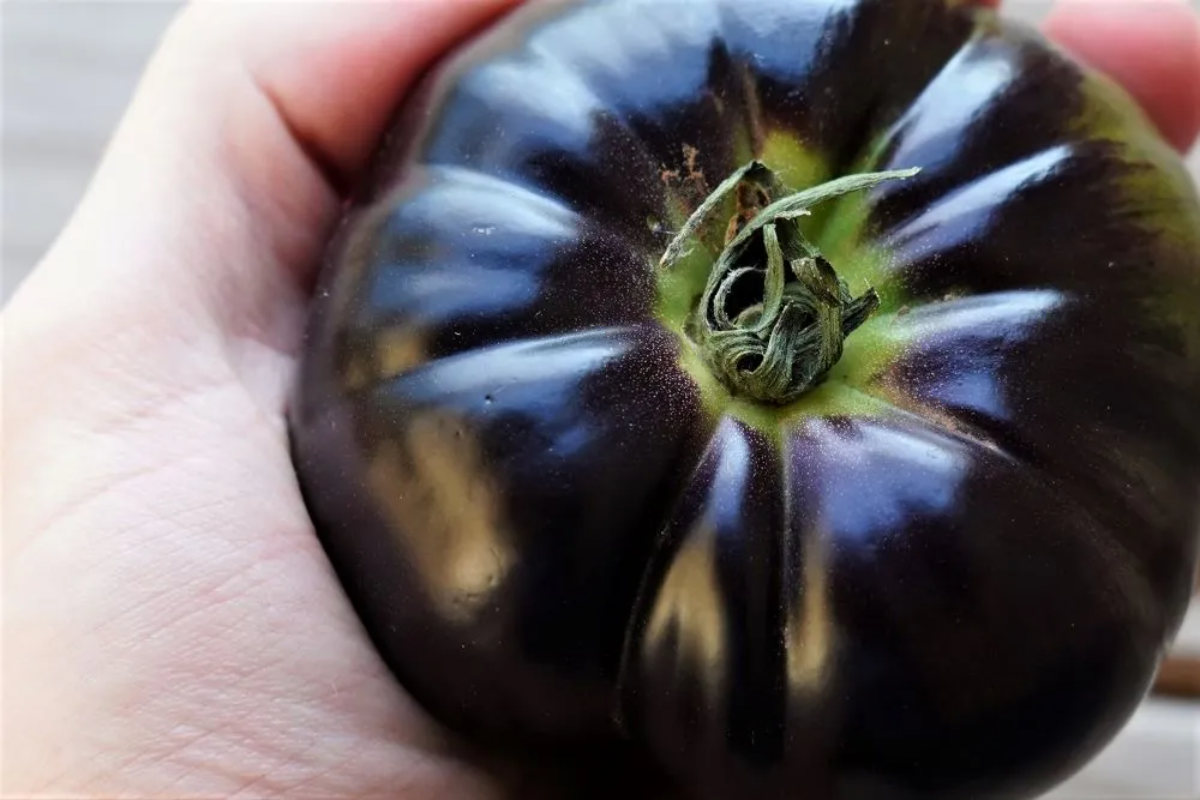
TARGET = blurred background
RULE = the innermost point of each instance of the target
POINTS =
(69, 68)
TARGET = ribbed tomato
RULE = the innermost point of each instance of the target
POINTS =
(639, 405)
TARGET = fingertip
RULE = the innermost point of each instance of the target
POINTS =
(1152, 48)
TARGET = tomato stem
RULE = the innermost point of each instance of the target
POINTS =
(774, 314)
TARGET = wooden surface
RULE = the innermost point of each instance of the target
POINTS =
(68, 71)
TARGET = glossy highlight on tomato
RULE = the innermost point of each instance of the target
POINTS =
(947, 568)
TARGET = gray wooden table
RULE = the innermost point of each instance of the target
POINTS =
(69, 68)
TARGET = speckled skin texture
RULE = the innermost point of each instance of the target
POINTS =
(948, 572)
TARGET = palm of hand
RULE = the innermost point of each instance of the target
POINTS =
(200, 601)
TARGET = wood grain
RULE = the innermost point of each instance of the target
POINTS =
(1179, 677)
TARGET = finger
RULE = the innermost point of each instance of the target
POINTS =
(1151, 47)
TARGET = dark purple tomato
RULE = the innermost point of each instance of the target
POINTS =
(802, 393)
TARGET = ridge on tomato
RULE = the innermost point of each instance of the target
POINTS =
(806, 392)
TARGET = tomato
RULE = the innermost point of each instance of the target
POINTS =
(803, 392)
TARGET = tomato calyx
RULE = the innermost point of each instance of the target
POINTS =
(774, 314)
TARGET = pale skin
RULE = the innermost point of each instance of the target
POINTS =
(171, 625)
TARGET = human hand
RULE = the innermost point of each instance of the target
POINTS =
(172, 624)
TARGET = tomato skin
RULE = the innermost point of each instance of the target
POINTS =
(948, 572)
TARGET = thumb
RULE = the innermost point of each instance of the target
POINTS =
(210, 208)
